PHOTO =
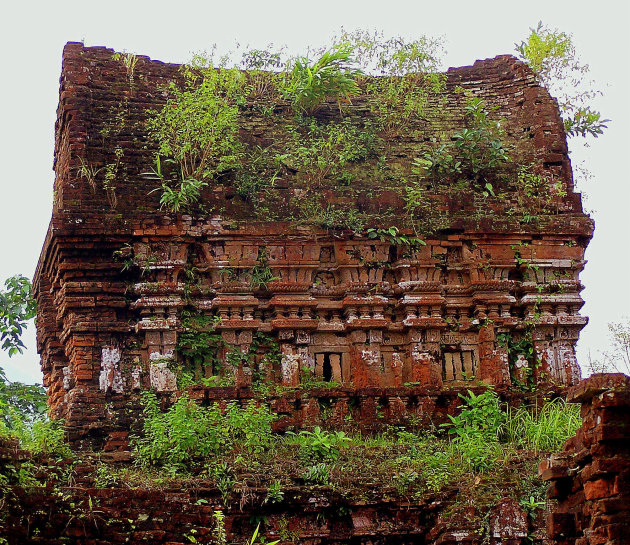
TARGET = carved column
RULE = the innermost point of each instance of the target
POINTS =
(422, 305)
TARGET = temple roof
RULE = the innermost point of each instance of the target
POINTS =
(102, 128)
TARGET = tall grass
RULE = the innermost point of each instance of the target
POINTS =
(543, 430)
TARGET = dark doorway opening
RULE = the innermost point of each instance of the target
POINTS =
(327, 371)
(328, 366)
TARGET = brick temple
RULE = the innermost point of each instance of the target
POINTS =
(117, 273)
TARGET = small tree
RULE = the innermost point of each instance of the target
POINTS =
(552, 56)
(20, 403)
(17, 307)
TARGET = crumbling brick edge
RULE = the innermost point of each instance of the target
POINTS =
(590, 479)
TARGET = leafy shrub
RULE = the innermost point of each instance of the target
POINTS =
(261, 173)
(396, 102)
(553, 58)
(46, 437)
(275, 494)
(41, 436)
(261, 274)
(318, 151)
(187, 432)
(197, 129)
(317, 474)
(199, 343)
(480, 415)
(181, 198)
(446, 461)
(404, 481)
(20, 404)
(106, 476)
(439, 470)
(479, 146)
(394, 236)
(395, 56)
(476, 452)
(320, 443)
(412, 68)
(436, 163)
(476, 429)
(224, 477)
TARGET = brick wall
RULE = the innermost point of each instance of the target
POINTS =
(116, 272)
(590, 480)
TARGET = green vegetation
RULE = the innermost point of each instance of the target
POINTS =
(22, 406)
(409, 79)
(42, 437)
(324, 151)
(483, 454)
(129, 61)
(201, 143)
(342, 126)
(260, 274)
(188, 434)
(311, 82)
(17, 307)
(317, 474)
(479, 146)
(198, 345)
(538, 190)
(197, 131)
(395, 237)
(320, 443)
(551, 54)
(545, 430)
(23, 419)
(481, 439)
(486, 452)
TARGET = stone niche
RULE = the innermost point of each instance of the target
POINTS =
(487, 296)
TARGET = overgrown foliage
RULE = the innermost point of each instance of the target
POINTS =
(476, 430)
(320, 443)
(187, 433)
(198, 131)
(319, 151)
(23, 407)
(17, 307)
(543, 430)
(378, 55)
(198, 344)
(260, 275)
(326, 151)
(489, 453)
(20, 404)
(480, 145)
(311, 82)
(552, 56)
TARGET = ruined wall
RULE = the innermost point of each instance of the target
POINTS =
(364, 410)
(588, 492)
(590, 480)
(87, 512)
(494, 292)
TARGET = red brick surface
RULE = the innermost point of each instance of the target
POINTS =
(591, 480)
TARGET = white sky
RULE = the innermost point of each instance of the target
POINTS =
(34, 34)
